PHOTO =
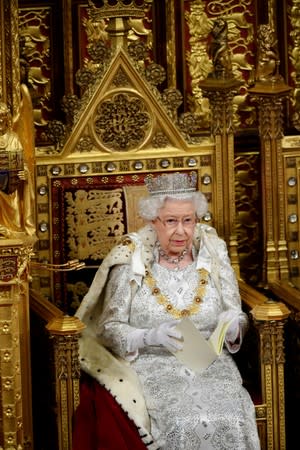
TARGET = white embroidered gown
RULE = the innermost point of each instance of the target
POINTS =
(188, 411)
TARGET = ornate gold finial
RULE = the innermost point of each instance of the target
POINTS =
(270, 310)
(220, 52)
(267, 68)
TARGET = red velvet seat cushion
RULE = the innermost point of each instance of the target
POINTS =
(100, 423)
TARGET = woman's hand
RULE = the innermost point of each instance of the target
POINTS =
(233, 331)
(166, 335)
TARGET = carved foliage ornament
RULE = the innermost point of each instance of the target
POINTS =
(270, 117)
(65, 347)
(269, 329)
(122, 122)
(268, 57)
(221, 105)
(294, 55)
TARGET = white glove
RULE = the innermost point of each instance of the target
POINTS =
(164, 334)
(233, 330)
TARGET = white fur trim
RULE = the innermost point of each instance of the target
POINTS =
(120, 380)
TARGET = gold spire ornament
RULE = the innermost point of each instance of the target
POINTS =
(163, 300)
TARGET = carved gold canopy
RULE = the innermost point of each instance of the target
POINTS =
(87, 189)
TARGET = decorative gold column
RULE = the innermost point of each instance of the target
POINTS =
(65, 332)
(220, 94)
(220, 87)
(9, 55)
(270, 98)
(15, 365)
(270, 92)
(270, 318)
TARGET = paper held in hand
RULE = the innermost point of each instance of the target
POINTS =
(198, 353)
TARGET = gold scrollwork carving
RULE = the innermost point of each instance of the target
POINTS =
(294, 54)
(198, 61)
(67, 350)
(8, 268)
(269, 330)
(240, 36)
(94, 28)
(75, 367)
(61, 358)
(95, 221)
(35, 46)
(13, 262)
(270, 117)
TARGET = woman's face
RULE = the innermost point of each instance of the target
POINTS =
(175, 225)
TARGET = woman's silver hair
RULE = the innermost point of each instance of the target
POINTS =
(149, 206)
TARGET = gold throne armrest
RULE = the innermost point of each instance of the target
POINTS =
(64, 332)
(269, 318)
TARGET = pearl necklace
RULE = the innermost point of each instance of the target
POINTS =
(176, 261)
(163, 300)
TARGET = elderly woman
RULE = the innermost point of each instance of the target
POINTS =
(172, 268)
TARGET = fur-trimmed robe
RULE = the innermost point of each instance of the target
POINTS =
(136, 250)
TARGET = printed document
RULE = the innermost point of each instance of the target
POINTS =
(198, 353)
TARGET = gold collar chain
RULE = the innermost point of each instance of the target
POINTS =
(164, 301)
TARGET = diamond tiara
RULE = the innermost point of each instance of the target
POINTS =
(171, 184)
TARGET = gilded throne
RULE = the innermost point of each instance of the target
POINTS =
(87, 188)
(130, 130)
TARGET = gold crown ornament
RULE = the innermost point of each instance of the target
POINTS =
(172, 184)
(117, 8)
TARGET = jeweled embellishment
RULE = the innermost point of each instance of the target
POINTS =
(164, 301)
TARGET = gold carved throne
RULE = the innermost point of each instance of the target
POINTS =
(87, 184)
(87, 191)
